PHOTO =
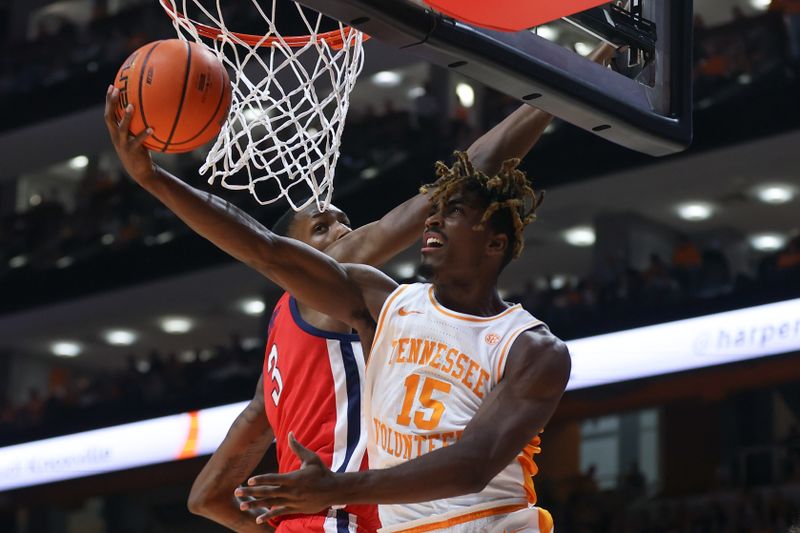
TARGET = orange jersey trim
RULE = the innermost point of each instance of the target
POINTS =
(501, 361)
(382, 318)
(468, 318)
(469, 517)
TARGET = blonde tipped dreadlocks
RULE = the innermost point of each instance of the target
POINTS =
(509, 189)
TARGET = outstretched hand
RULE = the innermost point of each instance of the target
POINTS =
(131, 151)
(308, 490)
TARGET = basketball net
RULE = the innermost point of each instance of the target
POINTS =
(290, 100)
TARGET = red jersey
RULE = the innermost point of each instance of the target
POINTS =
(313, 380)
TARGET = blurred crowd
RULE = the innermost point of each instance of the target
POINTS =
(693, 280)
(155, 385)
(628, 509)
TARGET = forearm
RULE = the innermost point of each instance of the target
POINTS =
(237, 456)
(222, 223)
(512, 138)
(444, 473)
(515, 136)
(378, 242)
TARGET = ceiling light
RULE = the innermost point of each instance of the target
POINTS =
(547, 32)
(120, 337)
(251, 343)
(78, 162)
(65, 261)
(253, 306)
(466, 94)
(761, 5)
(176, 324)
(775, 193)
(65, 349)
(18, 261)
(107, 239)
(767, 242)
(35, 199)
(250, 114)
(580, 236)
(416, 92)
(405, 270)
(583, 49)
(386, 78)
(557, 282)
(164, 237)
(695, 211)
(370, 173)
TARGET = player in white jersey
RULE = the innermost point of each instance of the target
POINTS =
(459, 383)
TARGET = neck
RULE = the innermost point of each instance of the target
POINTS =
(469, 297)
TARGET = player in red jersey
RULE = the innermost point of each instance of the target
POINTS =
(309, 381)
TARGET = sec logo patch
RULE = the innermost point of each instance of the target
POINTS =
(492, 338)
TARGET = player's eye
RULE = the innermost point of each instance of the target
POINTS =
(320, 228)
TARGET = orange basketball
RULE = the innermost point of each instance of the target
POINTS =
(179, 89)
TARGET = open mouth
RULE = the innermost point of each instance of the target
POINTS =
(432, 242)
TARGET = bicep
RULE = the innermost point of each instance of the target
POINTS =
(521, 404)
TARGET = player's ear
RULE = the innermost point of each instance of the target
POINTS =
(498, 244)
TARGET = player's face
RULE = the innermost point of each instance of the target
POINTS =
(320, 229)
(450, 244)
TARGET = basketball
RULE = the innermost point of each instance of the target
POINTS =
(179, 89)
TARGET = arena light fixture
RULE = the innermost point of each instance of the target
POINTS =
(695, 211)
(78, 162)
(253, 306)
(761, 5)
(18, 261)
(386, 78)
(120, 337)
(466, 94)
(65, 349)
(776, 193)
(405, 270)
(547, 32)
(416, 92)
(176, 324)
(583, 48)
(580, 236)
(64, 262)
(767, 242)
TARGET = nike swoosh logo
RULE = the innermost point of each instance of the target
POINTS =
(402, 312)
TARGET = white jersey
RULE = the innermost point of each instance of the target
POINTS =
(429, 371)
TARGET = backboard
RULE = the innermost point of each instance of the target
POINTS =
(644, 104)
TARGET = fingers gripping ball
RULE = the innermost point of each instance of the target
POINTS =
(177, 88)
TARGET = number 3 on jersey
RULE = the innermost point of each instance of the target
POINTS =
(275, 374)
(437, 408)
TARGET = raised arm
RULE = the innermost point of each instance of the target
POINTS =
(312, 277)
(517, 409)
(376, 243)
(240, 452)
(520, 131)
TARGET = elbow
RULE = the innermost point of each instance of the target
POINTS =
(200, 502)
(196, 504)
(475, 477)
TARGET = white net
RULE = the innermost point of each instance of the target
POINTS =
(290, 99)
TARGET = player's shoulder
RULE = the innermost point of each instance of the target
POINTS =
(539, 350)
(539, 341)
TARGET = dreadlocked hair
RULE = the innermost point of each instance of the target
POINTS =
(508, 194)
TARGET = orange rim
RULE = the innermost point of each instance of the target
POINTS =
(333, 38)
